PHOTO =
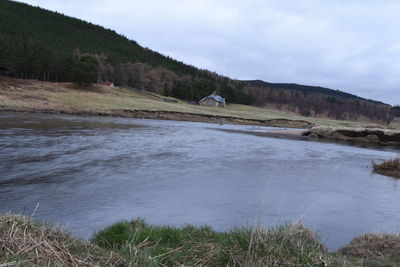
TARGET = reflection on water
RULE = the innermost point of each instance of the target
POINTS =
(86, 173)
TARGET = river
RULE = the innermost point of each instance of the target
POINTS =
(87, 172)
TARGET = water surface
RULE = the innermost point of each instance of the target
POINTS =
(87, 172)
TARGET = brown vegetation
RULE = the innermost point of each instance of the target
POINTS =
(390, 167)
(319, 105)
(377, 249)
(140, 75)
(23, 241)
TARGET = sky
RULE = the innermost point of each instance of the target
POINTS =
(350, 45)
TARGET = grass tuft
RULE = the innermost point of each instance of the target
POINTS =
(161, 245)
(291, 245)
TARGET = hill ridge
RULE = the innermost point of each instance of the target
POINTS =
(309, 89)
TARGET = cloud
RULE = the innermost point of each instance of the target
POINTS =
(351, 45)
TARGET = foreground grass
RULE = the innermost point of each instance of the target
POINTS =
(389, 167)
(24, 242)
(290, 245)
(34, 95)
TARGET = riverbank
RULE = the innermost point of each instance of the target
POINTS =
(66, 98)
(135, 243)
(379, 136)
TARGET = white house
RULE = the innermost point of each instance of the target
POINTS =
(213, 100)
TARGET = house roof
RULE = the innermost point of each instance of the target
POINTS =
(215, 97)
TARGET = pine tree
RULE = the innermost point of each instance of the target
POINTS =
(84, 70)
(3, 59)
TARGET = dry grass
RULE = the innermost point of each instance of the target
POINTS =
(28, 95)
(375, 249)
(395, 123)
(389, 167)
(25, 242)
(289, 245)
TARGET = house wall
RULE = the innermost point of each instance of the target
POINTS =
(209, 102)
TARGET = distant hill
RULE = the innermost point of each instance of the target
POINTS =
(317, 90)
(39, 44)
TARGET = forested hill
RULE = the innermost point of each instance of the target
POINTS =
(39, 44)
(37, 28)
(307, 89)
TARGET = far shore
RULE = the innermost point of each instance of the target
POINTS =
(46, 97)
(66, 98)
(172, 115)
(295, 129)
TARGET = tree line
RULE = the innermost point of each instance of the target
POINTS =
(396, 111)
(321, 105)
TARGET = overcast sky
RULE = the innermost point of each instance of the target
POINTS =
(350, 45)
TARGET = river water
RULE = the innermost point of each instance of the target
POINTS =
(87, 172)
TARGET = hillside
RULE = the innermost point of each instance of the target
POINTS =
(317, 90)
(36, 96)
(48, 46)
(29, 27)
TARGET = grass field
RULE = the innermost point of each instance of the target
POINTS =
(26, 95)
